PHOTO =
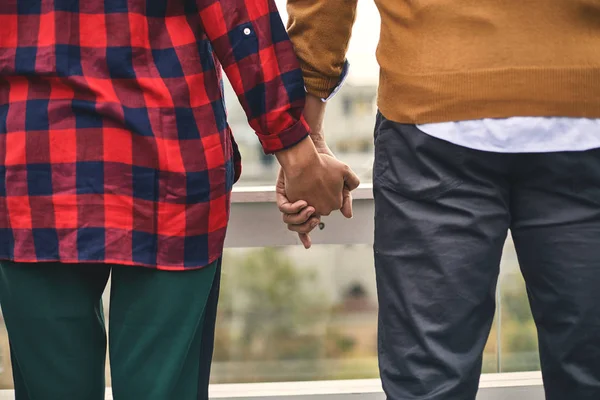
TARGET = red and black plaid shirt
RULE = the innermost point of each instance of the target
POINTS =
(114, 144)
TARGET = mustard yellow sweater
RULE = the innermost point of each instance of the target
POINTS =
(450, 60)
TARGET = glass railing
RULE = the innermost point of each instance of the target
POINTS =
(290, 314)
(307, 319)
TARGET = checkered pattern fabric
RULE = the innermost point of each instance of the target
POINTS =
(114, 144)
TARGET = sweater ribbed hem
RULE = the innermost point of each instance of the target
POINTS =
(492, 93)
(317, 84)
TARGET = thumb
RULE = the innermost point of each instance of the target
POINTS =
(347, 204)
(351, 180)
(305, 239)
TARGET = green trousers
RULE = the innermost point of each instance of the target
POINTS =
(161, 331)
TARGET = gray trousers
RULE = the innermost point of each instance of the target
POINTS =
(442, 213)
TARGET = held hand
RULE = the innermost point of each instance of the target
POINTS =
(314, 113)
(322, 148)
(303, 199)
(318, 179)
(299, 216)
(321, 184)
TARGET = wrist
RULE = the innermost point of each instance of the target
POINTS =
(294, 159)
(318, 139)
(314, 113)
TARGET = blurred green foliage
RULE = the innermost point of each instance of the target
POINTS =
(276, 316)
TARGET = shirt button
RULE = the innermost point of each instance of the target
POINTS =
(247, 31)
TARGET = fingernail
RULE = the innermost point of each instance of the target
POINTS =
(314, 224)
(310, 213)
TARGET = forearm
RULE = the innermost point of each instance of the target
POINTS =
(320, 31)
(314, 112)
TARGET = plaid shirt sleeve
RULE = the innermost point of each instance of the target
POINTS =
(250, 41)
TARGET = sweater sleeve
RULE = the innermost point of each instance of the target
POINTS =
(320, 31)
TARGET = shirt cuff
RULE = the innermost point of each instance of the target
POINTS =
(285, 139)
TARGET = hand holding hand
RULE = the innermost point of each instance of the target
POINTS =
(301, 216)
(298, 216)
(304, 195)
